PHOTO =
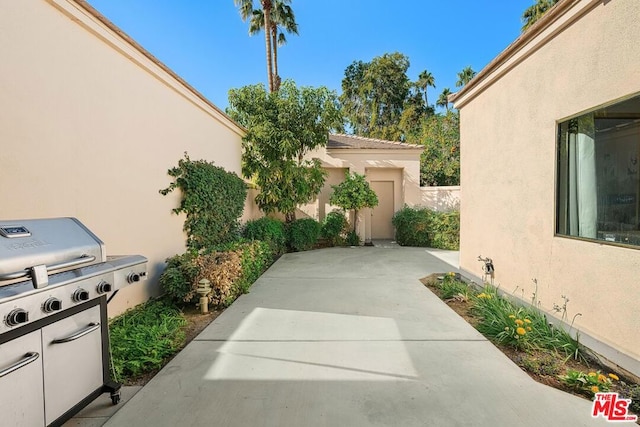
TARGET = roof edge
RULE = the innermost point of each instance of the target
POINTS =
(382, 141)
(540, 33)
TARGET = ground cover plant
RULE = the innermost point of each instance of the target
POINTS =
(548, 354)
(144, 337)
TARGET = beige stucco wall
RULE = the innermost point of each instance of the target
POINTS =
(89, 126)
(441, 198)
(401, 166)
(508, 151)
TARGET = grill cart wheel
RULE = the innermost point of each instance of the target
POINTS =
(115, 397)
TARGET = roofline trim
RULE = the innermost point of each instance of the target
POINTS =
(556, 20)
(97, 24)
(382, 141)
(377, 150)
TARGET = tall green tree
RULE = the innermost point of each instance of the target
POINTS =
(246, 12)
(535, 12)
(282, 127)
(440, 160)
(443, 99)
(282, 20)
(374, 94)
(426, 79)
(465, 76)
(354, 193)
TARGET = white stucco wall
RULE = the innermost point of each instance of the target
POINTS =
(508, 155)
(441, 198)
(401, 166)
(89, 126)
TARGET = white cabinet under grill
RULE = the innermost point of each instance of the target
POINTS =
(72, 359)
(21, 381)
(63, 358)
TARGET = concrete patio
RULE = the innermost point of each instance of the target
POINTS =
(346, 336)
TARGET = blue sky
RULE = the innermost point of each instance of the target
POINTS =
(207, 44)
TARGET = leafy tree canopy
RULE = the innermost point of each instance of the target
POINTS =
(354, 193)
(440, 160)
(282, 127)
(374, 95)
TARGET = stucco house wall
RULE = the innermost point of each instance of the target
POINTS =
(377, 160)
(90, 123)
(582, 55)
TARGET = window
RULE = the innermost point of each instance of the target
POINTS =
(598, 194)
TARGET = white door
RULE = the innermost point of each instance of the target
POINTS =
(381, 227)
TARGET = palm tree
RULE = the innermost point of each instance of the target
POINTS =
(282, 17)
(443, 99)
(425, 79)
(535, 12)
(246, 11)
(465, 76)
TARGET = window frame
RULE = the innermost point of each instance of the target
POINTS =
(557, 204)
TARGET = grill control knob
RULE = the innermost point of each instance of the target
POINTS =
(17, 316)
(133, 277)
(51, 305)
(103, 287)
(80, 295)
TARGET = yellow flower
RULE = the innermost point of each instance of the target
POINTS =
(592, 374)
(529, 328)
(511, 316)
(614, 377)
(527, 321)
(521, 331)
(601, 378)
(506, 329)
(451, 274)
(595, 389)
(519, 322)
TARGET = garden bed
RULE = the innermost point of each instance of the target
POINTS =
(543, 365)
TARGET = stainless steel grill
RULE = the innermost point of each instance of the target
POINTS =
(55, 282)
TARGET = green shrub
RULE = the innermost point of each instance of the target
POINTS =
(424, 227)
(212, 199)
(446, 230)
(144, 337)
(231, 269)
(255, 258)
(333, 229)
(178, 277)
(353, 239)
(413, 227)
(269, 230)
(302, 234)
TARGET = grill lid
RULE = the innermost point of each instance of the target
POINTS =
(37, 247)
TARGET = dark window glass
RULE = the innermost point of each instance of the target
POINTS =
(598, 194)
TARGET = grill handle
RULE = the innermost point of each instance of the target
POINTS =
(28, 358)
(50, 268)
(82, 332)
